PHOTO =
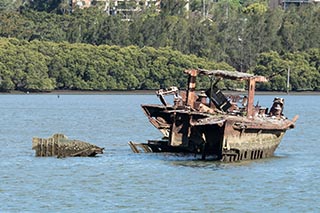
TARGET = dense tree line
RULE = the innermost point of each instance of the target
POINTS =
(303, 69)
(44, 66)
(233, 33)
(247, 36)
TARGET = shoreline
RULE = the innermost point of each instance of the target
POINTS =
(147, 92)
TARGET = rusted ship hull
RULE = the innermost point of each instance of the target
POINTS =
(211, 124)
(249, 143)
(249, 149)
(225, 138)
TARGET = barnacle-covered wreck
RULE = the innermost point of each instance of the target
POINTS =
(60, 146)
(212, 124)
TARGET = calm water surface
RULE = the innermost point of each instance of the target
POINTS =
(120, 181)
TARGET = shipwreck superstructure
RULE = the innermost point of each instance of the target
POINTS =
(228, 128)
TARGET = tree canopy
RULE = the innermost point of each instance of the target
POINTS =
(246, 35)
(44, 66)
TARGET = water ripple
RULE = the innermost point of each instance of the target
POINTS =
(120, 181)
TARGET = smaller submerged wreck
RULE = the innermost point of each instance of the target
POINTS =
(211, 124)
(59, 145)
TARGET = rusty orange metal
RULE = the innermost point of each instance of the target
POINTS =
(213, 124)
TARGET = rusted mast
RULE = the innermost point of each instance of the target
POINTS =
(251, 90)
(191, 87)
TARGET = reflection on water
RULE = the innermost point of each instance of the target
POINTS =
(212, 164)
(119, 180)
(200, 164)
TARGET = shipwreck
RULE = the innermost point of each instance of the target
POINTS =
(226, 128)
(60, 146)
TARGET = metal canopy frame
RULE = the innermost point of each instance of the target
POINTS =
(231, 75)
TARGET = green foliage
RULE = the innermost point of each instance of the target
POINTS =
(255, 9)
(245, 35)
(44, 66)
(47, 6)
(169, 7)
(299, 29)
(22, 68)
(303, 67)
(10, 5)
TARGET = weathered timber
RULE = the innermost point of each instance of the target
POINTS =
(138, 148)
(60, 146)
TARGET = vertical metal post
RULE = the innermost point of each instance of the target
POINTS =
(191, 87)
(251, 89)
